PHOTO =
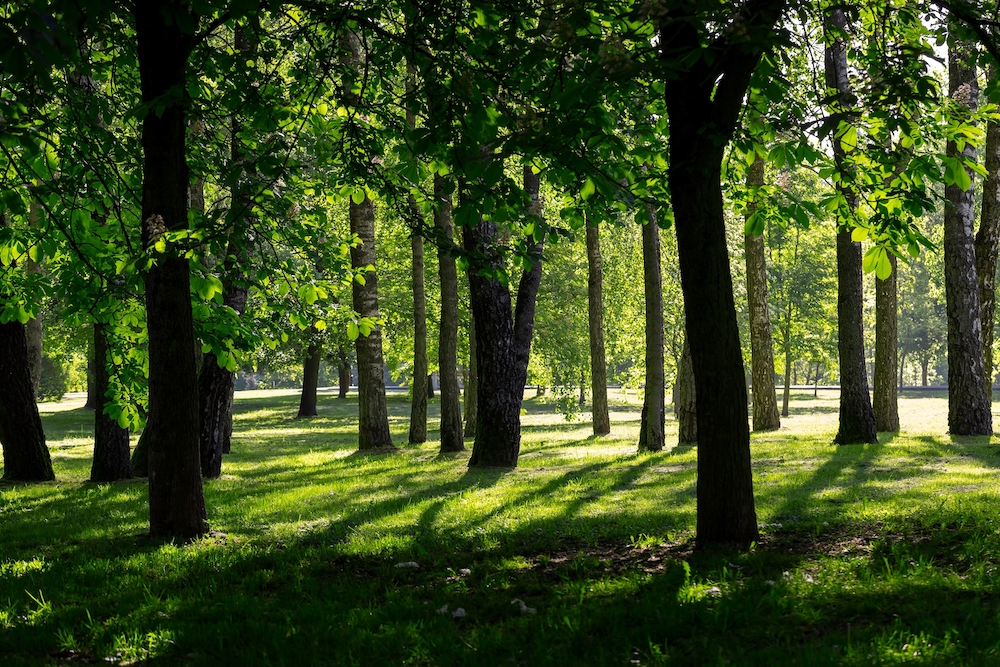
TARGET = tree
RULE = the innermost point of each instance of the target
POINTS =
(452, 438)
(765, 402)
(686, 401)
(987, 240)
(595, 318)
(857, 418)
(111, 441)
(25, 456)
(968, 397)
(310, 379)
(176, 499)
(651, 438)
(886, 345)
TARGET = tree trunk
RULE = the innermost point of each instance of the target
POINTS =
(765, 400)
(373, 414)
(987, 239)
(472, 383)
(176, 499)
(595, 314)
(430, 386)
(968, 397)
(503, 343)
(418, 387)
(857, 418)
(885, 403)
(924, 363)
(25, 456)
(702, 118)
(111, 443)
(310, 380)
(786, 345)
(687, 404)
(343, 373)
(33, 328)
(91, 403)
(651, 438)
(140, 455)
(452, 438)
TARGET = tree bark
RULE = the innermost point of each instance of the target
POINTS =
(885, 402)
(968, 397)
(687, 403)
(418, 386)
(986, 244)
(373, 414)
(111, 441)
(857, 418)
(765, 400)
(503, 343)
(176, 499)
(651, 436)
(33, 328)
(595, 313)
(702, 117)
(25, 455)
(472, 383)
(452, 438)
(91, 403)
(310, 380)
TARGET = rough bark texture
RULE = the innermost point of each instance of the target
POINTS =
(91, 403)
(595, 313)
(472, 382)
(343, 373)
(885, 400)
(651, 437)
(857, 418)
(503, 343)
(968, 397)
(310, 380)
(452, 437)
(418, 386)
(25, 455)
(702, 118)
(986, 247)
(373, 415)
(111, 444)
(176, 499)
(686, 407)
(765, 400)
(33, 328)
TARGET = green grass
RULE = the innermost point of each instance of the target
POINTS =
(879, 554)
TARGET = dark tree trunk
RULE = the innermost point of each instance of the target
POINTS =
(310, 380)
(452, 439)
(651, 437)
(215, 397)
(420, 388)
(430, 386)
(765, 400)
(472, 381)
(373, 414)
(885, 402)
(857, 418)
(111, 444)
(986, 246)
(702, 118)
(33, 328)
(968, 396)
(343, 373)
(176, 499)
(595, 313)
(503, 343)
(686, 407)
(25, 456)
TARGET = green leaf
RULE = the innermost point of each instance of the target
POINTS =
(352, 330)
(588, 189)
(358, 196)
(859, 234)
(884, 268)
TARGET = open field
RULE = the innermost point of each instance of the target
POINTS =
(880, 554)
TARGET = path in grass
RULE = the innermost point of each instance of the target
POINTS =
(580, 556)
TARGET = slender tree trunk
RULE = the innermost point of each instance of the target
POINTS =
(765, 400)
(310, 380)
(857, 418)
(786, 346)
(902, 365)
(91, 403)
(924, 363)
(33, 328)
(885, 403)
(111, 443)
(595, 314)
(343, 373)
(176, 499)
(968, 396)
(503, 343)
(687, 403)
(472, 382)
(702, 118)
(651, 437)
(373, 414)
(25, 455)
(419, 386)
(452, 438)
(430, 386)
(987, 239)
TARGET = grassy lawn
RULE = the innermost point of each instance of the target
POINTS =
(878, 554)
